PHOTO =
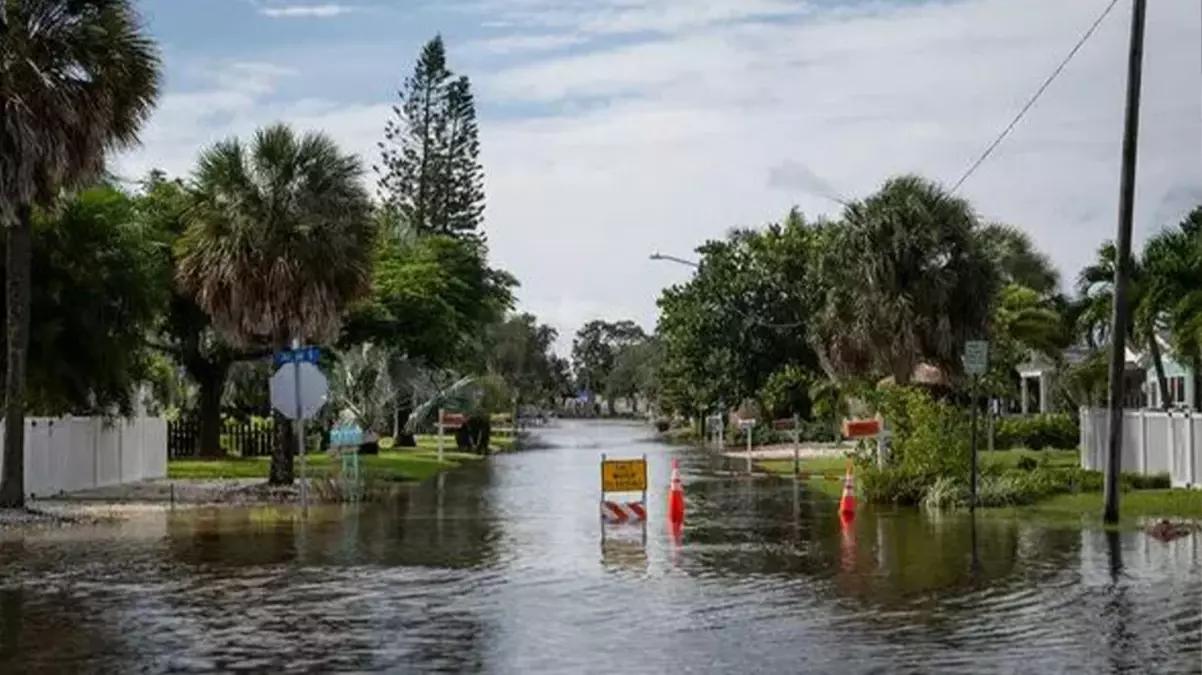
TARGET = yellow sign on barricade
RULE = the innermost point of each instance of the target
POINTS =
(624, 475)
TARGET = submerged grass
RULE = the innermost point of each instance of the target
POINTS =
(1057, 489)
(409, 464)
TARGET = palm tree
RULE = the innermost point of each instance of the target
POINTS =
(1095, 286)
(78, 78)
(279, 244)
(1016, 257)
(905, 281)
(1172, 290)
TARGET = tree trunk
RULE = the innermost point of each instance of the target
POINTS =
(281, 454)
(1196, 367)
(1158, 363)
(212, 385)
(285, 439)
(17, 289)
(400, 437)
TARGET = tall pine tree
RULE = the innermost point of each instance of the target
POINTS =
(430, 168)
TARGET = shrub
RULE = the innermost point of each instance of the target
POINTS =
(946, 493)
(1038, 432)
(1027, 464)
(929, 437)
(662, 425)
(894, 485)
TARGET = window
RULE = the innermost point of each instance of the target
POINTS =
(1176, 390)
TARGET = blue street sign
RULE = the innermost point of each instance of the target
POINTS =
(304, 354)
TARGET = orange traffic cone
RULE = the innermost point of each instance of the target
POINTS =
(675, 497)
(847, 505)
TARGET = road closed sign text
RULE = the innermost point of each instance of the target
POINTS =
(624, 475)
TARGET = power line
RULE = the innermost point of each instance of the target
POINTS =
(1017, 118)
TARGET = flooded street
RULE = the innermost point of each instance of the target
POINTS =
(503, 570)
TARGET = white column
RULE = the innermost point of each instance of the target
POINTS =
(1044, 405)
(1022, 391)
(1143, 441)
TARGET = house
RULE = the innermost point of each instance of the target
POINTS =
(1178, 377)
(1037, 379)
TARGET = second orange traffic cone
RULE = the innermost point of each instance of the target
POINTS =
(847, 505)
(675, 497)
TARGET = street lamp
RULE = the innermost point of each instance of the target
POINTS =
(752, 319)
(672, 258)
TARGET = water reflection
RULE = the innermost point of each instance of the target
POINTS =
(503, 569)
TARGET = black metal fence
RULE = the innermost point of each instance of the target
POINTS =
(243, 438)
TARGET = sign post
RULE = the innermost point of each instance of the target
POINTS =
(793, 423)
(623, 475)
(748, 426)
(446, 421)
(976, 363)
(298, 392)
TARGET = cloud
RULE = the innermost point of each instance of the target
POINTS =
(305, 11)
(516, 44)
(674, 125)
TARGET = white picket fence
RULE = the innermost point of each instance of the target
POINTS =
(1154, 441)
(77, 453)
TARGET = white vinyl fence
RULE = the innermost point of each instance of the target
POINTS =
(78, 453)
(1154, 441)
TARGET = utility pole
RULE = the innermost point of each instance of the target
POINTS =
(1122, 268)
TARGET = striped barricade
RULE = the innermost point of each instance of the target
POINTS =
(623, 512)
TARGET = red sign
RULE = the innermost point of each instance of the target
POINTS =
(453, 420)
(861, 428)
(786, 423)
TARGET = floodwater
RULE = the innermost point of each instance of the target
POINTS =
(502, 569)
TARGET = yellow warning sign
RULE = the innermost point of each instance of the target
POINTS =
(624, 475)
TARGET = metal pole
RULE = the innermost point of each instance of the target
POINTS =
(749, 428)
(1120, 311)
(440, 431)
(972, 497)
(299, 428)
(796, 446)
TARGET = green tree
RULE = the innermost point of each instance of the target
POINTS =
(518, 350)
(905, 276)
(98, 295)
(744, 315)
(431, 298)
(1017, 259)
(595, 349)
(279, 245)
(185, 333)
(1171, 301)
(77, 79)
(430, 169)
(1095, 287)
(634, 372)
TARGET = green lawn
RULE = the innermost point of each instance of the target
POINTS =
(1132, 504)
(390, 466)
(412, 464)
(825, 474)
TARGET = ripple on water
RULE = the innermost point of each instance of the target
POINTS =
(505, 573)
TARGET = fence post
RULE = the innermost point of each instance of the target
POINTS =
(1143, 441)
(1172, 434)
(1189, 447)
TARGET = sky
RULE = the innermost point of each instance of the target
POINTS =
(613, 129)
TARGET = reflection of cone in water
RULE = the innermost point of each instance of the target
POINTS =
(848, 548)
(847, 505)
(676, 532)
(675, 497)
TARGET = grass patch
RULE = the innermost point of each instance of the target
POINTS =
(1172, 503)
(822, 474)
(411, 465)
(685, 434)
